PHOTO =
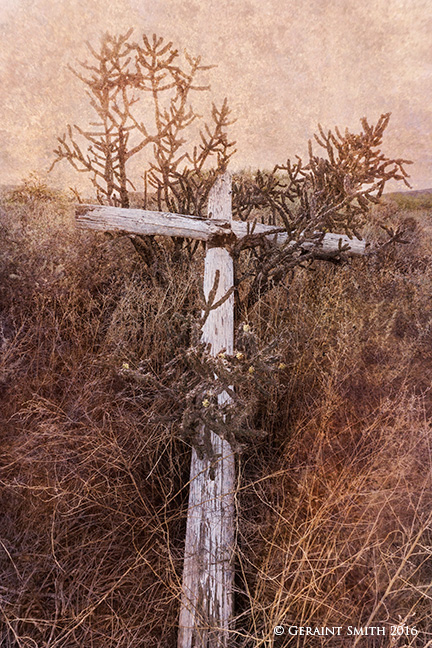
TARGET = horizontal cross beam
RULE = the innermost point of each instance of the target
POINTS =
(140, 221)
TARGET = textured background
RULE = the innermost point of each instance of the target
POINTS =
(285, 65)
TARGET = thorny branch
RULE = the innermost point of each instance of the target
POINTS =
(331, 193)
(197, 379)
(141, 95)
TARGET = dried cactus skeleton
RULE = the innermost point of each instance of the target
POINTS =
(218, 396)
(331, 193)
(141, 94)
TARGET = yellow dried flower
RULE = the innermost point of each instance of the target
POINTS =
(205, 402)
(239, 356)
(282, 365)
(246, 328)
(251, 370)
(125, 365)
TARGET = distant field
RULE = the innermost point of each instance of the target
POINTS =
(417, 199)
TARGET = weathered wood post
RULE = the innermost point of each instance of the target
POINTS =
(207, 598)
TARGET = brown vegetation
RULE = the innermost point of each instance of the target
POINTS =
(334, 524)
(141, 94)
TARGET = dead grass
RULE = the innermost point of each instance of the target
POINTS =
(334, 524)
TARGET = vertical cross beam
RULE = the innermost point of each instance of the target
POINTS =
(207, 598)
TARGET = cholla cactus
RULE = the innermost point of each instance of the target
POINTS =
(247, 376)
(199, 382)
(141, 95)
(331, 192)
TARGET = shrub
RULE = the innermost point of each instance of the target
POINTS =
(334, 504)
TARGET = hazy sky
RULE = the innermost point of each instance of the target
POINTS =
(284, 65)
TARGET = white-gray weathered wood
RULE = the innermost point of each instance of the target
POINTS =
(207, 598)
(139, 221)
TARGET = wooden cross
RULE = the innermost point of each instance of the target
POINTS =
(207, 598)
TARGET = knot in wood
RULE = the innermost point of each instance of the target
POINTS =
(222, 235)
(82, 210)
